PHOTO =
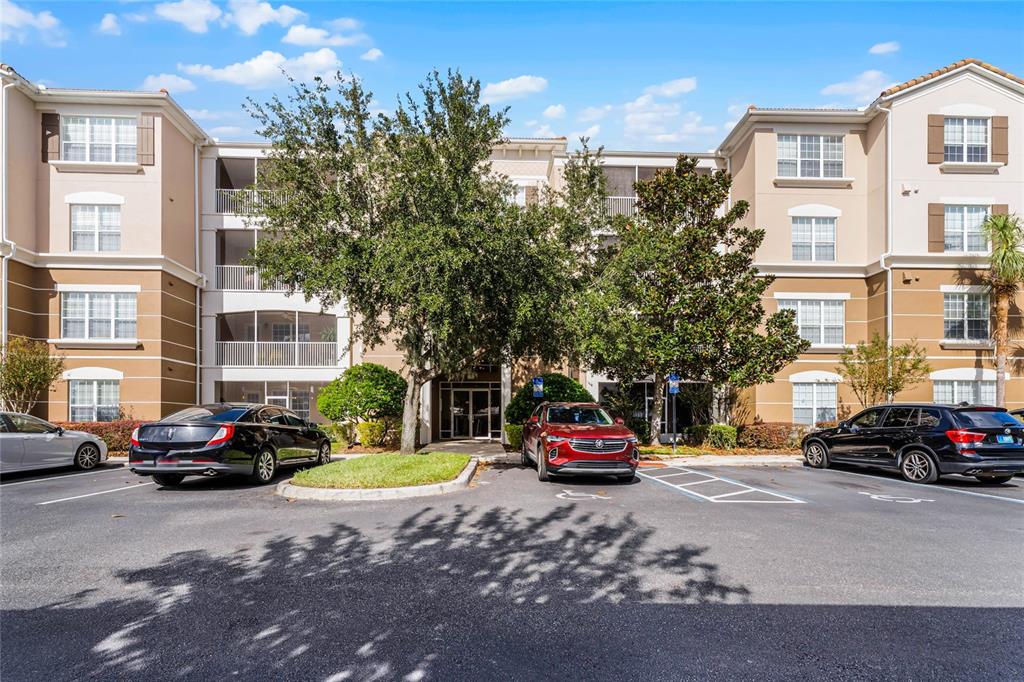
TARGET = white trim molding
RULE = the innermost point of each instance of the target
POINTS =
(964, 289)
(814, 211)
(968, 201)
(831, 183)
(95, 373)
(107, 198)
(63, 166)
(963, 109)
(815, 376)
(965, 374)
(101, 288)
(812, 296)
(115, 344)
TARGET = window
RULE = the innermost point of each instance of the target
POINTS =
(95, 228)
(965, 139)
(952, 391)
(24, 423)
(94, 400)
(810, 156)
(899, 417)
(280, 333)
(963, 229)
(97, 316)
(869, 419)
(814, 239)
(965, 317)
(820, 322)
(814, 403)
(99, 139)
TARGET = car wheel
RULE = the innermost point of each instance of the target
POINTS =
(816, 455)
(87, 456)
(995, 479)
(168, 480)
(542, 467)
(917, 467)
(265, 467)
(325, 453)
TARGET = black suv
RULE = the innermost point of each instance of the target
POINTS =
(925, 441)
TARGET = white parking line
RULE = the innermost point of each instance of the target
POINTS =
(54, 478)
(685, 488)
(929, 488)
(102, 492)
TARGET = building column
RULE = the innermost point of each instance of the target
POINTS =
(426, 432)
(506, 396)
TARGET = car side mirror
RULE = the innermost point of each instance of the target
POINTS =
(620, 421)
(60, 430)
(844, 425)
(534, 419)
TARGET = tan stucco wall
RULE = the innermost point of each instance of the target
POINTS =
(23, 162)
(177, 207)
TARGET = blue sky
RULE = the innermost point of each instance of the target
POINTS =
(671, 76)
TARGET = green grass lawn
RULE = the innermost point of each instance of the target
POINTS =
(389, 470)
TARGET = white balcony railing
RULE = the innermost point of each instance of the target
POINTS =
(621, 206)
(245, 278)
(277, 353)
(241, 201)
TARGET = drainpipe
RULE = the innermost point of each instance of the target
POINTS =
(7, 248)
(195, 207)
(883, 261)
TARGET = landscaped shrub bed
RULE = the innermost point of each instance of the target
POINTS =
(719, 436)
(116, 434)
(390, 470)
(766, 435)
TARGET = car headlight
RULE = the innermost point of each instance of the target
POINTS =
(630, 439)
(556, 439)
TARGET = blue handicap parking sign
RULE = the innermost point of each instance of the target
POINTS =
(538, 387)
(673, 383)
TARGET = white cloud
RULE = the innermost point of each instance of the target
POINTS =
(194, 15)
(265, 69)
(592, 131)
(544, 131)
(513, 88)
(862, 88)
(555, 111)
(22, 25)
(656, 121)
(228, 131)
(371, 55)
(679, 86)
(137, 17)
(109, 25)
(208, 115)
(250, 15)
(594, 113)
(345, 24)
(173, 83)
(308, 36)
(885, 48)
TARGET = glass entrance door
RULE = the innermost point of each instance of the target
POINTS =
(471, 413)
(461, 421)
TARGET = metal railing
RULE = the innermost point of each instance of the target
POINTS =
(245, 278)
(242, 201)
(277, 353)
(621, 206)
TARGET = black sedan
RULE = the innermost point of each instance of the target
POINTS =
(925, 441)
(226, 438)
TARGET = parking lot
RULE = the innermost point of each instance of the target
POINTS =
(688, 572)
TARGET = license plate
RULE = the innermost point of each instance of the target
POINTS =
(1002, 438)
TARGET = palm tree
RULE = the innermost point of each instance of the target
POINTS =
(1005, 275)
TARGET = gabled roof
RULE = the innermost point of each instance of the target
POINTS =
(946, 69)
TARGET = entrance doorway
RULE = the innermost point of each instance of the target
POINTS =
(471, 410)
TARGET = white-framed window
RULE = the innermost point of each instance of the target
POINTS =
(965, 316)
(810, 156)
(281, 332)
(94, 400)
(965, 140)
(814, 238)
(821, 322)
(953, 391)
(963, 229)
(95, 227)
(91, 315)
(99, 139)
(814, 403)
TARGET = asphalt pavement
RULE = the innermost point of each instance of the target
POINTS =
(687, 573)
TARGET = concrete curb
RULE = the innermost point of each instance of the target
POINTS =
(730, 461)
(460, 482)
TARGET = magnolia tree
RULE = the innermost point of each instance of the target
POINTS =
(400, 215)
(678, 292)
(26, 370)
(876, 372)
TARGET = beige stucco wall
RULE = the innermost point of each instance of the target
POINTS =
(23, 161)
(177, 173)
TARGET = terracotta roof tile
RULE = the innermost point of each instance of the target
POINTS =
(946, 69)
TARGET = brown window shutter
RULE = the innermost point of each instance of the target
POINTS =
(531, 195)
(936, 129)
(1000, 139)
(145, 151)
(936, 228)
(51, 138)
(1000, 209)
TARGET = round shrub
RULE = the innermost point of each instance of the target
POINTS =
(765, 436)
(721, 436)
(362, 392)
(514, 434)
(558, 388)
(379, 432)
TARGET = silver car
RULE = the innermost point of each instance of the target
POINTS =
(28, 442)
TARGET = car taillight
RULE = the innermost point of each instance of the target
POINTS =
(965, 437)
(135, 436)
(223, 435)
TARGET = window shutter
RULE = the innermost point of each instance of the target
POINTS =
(936, 128)
(1000, 139)
(936, 228)
(51, 138)
(531, 195)
(1000, 209)
(145, 150)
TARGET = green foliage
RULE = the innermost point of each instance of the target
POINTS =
(876, 372)
(765, 435)
(400, 215)
(343, 433)
(377, 433)
(514, 435)
(116, 434)
(391, 470)
(720, 436)
(1005, 275)
(627, 404)
(363, 391)
(26, 370)
(558, 388)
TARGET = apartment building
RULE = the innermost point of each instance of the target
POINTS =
(871, 216)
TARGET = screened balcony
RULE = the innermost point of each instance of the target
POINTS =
(238, 188)
(277, 338)
(232, 247)
(619, 181)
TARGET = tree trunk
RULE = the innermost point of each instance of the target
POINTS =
(720, 403)
(411, 414)
(1002, 341)
(656, 407)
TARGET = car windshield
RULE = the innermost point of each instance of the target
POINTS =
(992, 419)
(208, 413)
(578, 415)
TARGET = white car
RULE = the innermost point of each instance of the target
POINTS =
(28, 442)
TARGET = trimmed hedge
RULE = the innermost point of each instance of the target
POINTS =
(558, 388)
(514, 434)
(379, 432)
(766, 435)
(116, 434)
(720, 436)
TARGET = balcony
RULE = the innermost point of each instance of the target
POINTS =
(621, 206)
(277, 353)
(242, 201)
(245, 278)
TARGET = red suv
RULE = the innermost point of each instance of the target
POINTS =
(578, 439)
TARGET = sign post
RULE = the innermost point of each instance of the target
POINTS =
(673, 389)
(538, 387)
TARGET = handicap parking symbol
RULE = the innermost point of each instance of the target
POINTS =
(894, 498)
(573, 495)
